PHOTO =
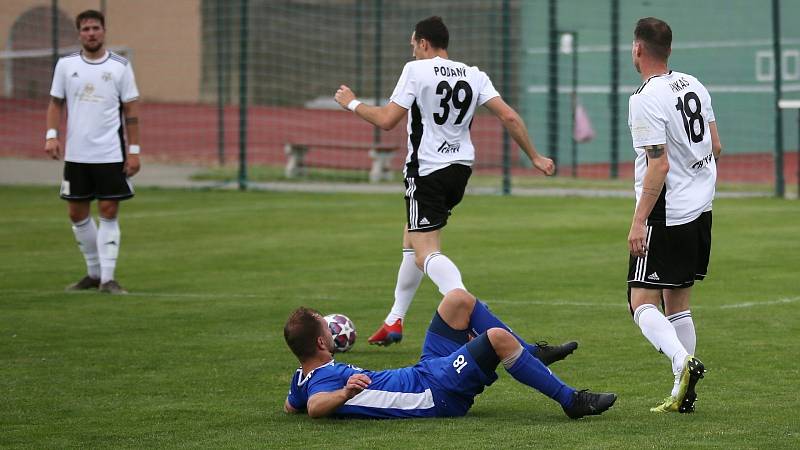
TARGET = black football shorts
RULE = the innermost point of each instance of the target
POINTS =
(85, 181)
(431, 198)
(676, 256)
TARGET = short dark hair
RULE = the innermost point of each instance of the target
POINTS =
(90, 14)
(656, 36)
(434, 31)
(301, 332)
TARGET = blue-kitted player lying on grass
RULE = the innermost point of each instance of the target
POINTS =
(463, 346)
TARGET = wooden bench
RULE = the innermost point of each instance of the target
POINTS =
(381, 155)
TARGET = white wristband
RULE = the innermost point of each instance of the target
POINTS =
(353, 105)
(134, 149)
(52, 133)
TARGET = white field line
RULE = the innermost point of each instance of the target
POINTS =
(149, 215)
(198, 295)
(214, 296)
(780, 301)
(611, 304)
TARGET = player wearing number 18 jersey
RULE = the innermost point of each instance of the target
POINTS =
(674, 108)
(674, 133)
(439, 96)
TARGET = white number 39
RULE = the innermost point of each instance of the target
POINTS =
(459, 363)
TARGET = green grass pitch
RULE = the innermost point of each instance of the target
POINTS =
(195, 357)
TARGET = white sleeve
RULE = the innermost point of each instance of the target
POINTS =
(57, 89)
(404, 92)
(708, 110)
(127, 86)
(488, 91)
(647, 121)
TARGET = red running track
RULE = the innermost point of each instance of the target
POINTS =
(188, 133)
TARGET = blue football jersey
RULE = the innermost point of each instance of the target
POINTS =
(397, 393)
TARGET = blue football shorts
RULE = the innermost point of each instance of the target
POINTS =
(456, 368)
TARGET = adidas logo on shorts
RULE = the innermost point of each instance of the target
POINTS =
(424, 221)
(653, 276)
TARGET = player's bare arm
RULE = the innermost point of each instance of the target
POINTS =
(519, 132)
(54, 110)
(716, 145)
(324, 404)
(653, 183)
(288, 408)
(385, 117)
(131, 113)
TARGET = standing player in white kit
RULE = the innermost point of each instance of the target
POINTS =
(675, 136)
(98, 88)
(439, 96)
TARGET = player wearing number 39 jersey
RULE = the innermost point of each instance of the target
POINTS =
(674, 133)
(439, 97)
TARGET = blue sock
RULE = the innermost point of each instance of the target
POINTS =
(530, 371)
(482, 319)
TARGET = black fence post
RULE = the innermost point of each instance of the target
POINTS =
(506, 90)
(552, 83)
(378, 61)
(613, 96)
(220, 83)
(54, 30)
(776, 52)
(243, 38)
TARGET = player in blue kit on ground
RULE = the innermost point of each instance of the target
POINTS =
(464, 344)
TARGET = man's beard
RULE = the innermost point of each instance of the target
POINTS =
(93, 47)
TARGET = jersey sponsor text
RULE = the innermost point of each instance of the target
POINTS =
(446, 147)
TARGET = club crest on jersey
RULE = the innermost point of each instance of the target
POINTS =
(106, 76)
(88, 94)
(447, 147)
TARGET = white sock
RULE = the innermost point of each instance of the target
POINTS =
(108, 237)
(684, 328)
(657, 329)
(443, 272)
(408, 278)
(86, 233)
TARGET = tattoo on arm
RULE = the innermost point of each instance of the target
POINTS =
(131, 120)
(654, 151)
(651, 191)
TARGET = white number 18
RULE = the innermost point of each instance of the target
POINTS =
(459, 363)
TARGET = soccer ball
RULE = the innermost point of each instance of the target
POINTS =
(343, 331)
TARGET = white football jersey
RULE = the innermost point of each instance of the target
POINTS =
(93, 91)
(441, 97)
(675, 109)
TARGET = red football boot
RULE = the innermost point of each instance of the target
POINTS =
(387, 334)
